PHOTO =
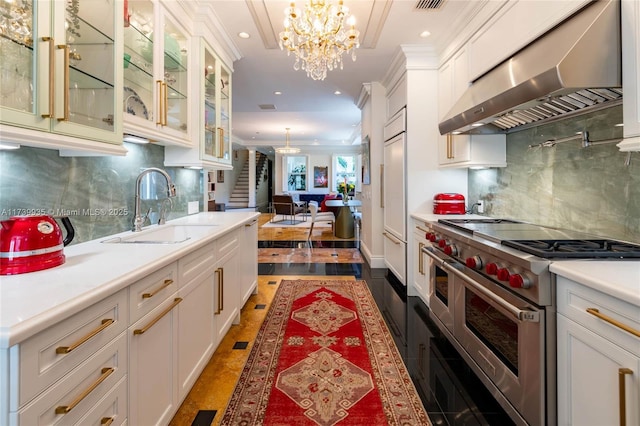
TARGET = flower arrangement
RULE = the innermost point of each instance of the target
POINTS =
(345, 188)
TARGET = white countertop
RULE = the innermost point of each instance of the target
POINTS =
(431, 217)
(618, 278)
(94, 270)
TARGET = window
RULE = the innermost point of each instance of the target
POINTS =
(345, 171)
(296, 173)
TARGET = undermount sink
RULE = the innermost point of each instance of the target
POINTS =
(163, 234)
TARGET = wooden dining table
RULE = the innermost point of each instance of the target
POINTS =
(345, 226)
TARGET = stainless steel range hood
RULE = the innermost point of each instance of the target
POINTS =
(575, 66)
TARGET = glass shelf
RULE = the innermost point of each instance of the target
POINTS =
(88, 35)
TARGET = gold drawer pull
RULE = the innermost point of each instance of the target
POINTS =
(596, 312)
(166, 284)
(220, 307)
(421, 229)
(105, 372)
(393, 239)
(158, 318)
(106, 421)
(250, 224)
(52, 69)
(623, 394)
(66, 349)
(420, 259)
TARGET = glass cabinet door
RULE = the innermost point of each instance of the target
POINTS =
(89, 85)
(57, 69)
(224, 131)
(210, 118)
(139, 83)
(174, 80)
(17, 78)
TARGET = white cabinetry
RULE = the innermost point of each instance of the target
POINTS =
(464, 150)
(395, 201)
(248, 273)
(196, 324)
(213, 141)
(598, 360)
(61, 75)
(157, 83)
(512, 27)
(153, 354)
(227, 291)
(631, 75)
(65, 370)
(420, 264)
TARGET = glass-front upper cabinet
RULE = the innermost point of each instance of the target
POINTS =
(214, 137)
(59, 69)
(156, 70)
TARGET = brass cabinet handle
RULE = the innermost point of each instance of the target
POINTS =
(165, 106)
(395, 240)
(66, 349)
(158, 318)
(106, 421)
(159, 91)
(220, 307)
(65, 115)
(382, 185)
(421, 229)
(221, 142)
(596, 312)
(52, 70)
(420, 259)
(250, 224)
(622, 372)
(105, 372)
(164, 285)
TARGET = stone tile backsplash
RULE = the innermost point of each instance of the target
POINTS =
(585, 189)
(97, 193)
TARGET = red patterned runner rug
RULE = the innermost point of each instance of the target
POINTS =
(324, 356)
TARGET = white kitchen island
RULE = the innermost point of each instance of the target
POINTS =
(120, 331)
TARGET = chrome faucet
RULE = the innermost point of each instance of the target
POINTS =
(138, 219)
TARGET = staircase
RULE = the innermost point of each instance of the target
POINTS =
(239, 198)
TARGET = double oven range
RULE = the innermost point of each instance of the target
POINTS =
(493, 296)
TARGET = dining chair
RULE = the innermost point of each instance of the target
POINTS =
(319, 217)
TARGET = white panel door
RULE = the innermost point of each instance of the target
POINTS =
(395, 187)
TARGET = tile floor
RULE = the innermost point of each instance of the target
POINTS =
(451, 393)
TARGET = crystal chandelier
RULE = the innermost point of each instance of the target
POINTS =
(287, 149)
(318, 37)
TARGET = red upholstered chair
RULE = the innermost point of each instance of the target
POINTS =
(323, 206)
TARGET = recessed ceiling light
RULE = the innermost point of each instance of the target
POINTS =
(277, 92)
(337, 92)
(243, 35)
(425, 34)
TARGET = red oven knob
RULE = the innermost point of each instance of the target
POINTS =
(519, 281)
(442, 243)
(451, 250)
(474, 262)
(431, 236)
(504, 274)
(492, 268)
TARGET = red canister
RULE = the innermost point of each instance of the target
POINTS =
(448, 203)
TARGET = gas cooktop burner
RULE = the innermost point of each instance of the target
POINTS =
(576, 249)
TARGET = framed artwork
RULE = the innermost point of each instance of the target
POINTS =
(320, 177)
(220, 176)
(366, 162)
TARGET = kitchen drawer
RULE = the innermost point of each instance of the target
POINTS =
(574, 299)
(226, 244)
(42, 359)
(151, 291)
(80, 391)
(194, 265)
(111, 408)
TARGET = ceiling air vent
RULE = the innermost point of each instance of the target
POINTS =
(267, 107)
(429, 4)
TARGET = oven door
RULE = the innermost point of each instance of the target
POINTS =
(505, 337)
(440, 289)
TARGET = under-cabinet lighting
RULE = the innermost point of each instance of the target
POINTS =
(8, 146)
(135, 139)
(477, 124)
(193, 167)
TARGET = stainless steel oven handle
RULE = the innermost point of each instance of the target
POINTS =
(428, 251)
(519, 314)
